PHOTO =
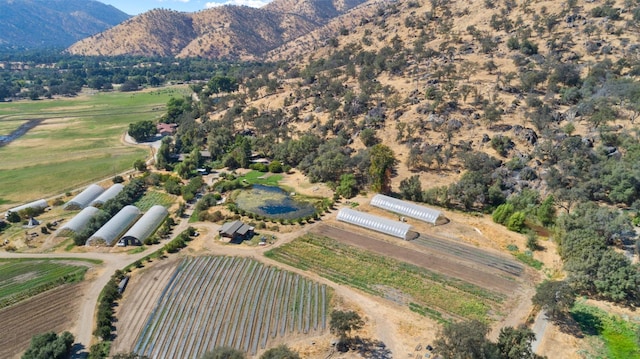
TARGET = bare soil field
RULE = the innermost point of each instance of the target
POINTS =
(54, 310)
(445, 263)
(138, 301)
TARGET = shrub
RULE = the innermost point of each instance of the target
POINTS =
(502, 213)
(516, 222)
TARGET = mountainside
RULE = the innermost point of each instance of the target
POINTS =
(53, 23)
(237, 32)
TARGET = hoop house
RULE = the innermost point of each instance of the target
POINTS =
(379, 224)
(112, 230)
(405, 208)
(85, 197)
(145, 226)
(79, 222)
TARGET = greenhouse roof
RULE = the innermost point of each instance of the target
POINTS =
(85, 197)
(110, 193)
(41, 203)
(80, 220)
(405, 208)
(380, 224)
(146, 225)
(115, 227)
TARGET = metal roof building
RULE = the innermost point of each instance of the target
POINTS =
(110, 193)
(78, 222)
(405, 208)
(112, 230)
(145, 226)
(379, 224)
(84, 198)
(41, 203)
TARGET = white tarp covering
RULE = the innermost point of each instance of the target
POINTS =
(85, 197)
(112, 230)
(405, 208)
(78, 222)
(379, 224)
(110, 193)
(145, 226)
(41, 203)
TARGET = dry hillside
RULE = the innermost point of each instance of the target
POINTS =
(236, 32)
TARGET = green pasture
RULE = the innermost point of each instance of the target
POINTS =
(8, 126)
(152, 198)
(78, 142)
(425, 292)
(263, 178)
(21, 279)
(618, 338)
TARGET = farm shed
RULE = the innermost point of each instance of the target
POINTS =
(236, 230)
(78, 222)
(145, 226)
(379, 224)
(115, 227)
(110, 193)
(84, 198)
(405, 208)
(39, 204)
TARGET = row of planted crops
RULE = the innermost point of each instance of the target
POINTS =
(230, 301)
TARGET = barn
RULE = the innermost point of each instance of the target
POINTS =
(78, 222)
(236, 230)
(39, 204)
(144, 227)
(84, 198)
(378, 224)
(110, 193)
(405, 208)
(117, 225)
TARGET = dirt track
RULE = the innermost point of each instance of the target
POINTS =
(53, 310)
(471, 272)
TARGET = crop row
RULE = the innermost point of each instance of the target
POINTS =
(375, 274)
(230, 301)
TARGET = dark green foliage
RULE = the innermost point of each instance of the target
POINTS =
(546, 212)
(130, 355)
(555, 297)
(464, 340)
(141, 131)
(382, 162)
(342, 323)
(106, 317)
(13, 217)
(275, 166)
(50, 346)
(207, 201)
(219, 84)
(411, 188)
(280, 352)
(516, 221)
(180, 241)
(348, 186)
(515, 343)
(223, 353)
(502, 144)
(368, 137)
(140, 165)
(502, 213)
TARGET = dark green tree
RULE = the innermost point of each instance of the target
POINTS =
(223, 353)
(381, 167)
(219, 84)
(515, 343)
(555, 297)
(142, 130)
(464, 340)
(50, 346)
(140, 165)
(348, 186)
(342, 323)
(280, 352)
(411, 188)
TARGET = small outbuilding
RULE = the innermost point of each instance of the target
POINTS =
(236, 230)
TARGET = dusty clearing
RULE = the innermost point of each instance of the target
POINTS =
(54, 310)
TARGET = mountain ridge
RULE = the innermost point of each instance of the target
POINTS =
(34, 24)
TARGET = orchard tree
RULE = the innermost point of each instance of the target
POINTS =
(50, 346)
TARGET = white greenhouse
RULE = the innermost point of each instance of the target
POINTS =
(78, 222)
(144, 227)
(84, 198)
(110, 193)
(117, 225)
(405, 208)
(39, 204)
(379, 224)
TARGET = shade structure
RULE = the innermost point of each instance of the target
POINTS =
(379, 224)
(110, 193)
(39, 204)
(145, 226)
(78, 222)
(405, 208)
(117, 225)
(84, 198)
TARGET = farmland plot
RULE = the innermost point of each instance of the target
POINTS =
(230, 301)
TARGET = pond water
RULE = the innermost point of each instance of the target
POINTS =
(273, 202)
